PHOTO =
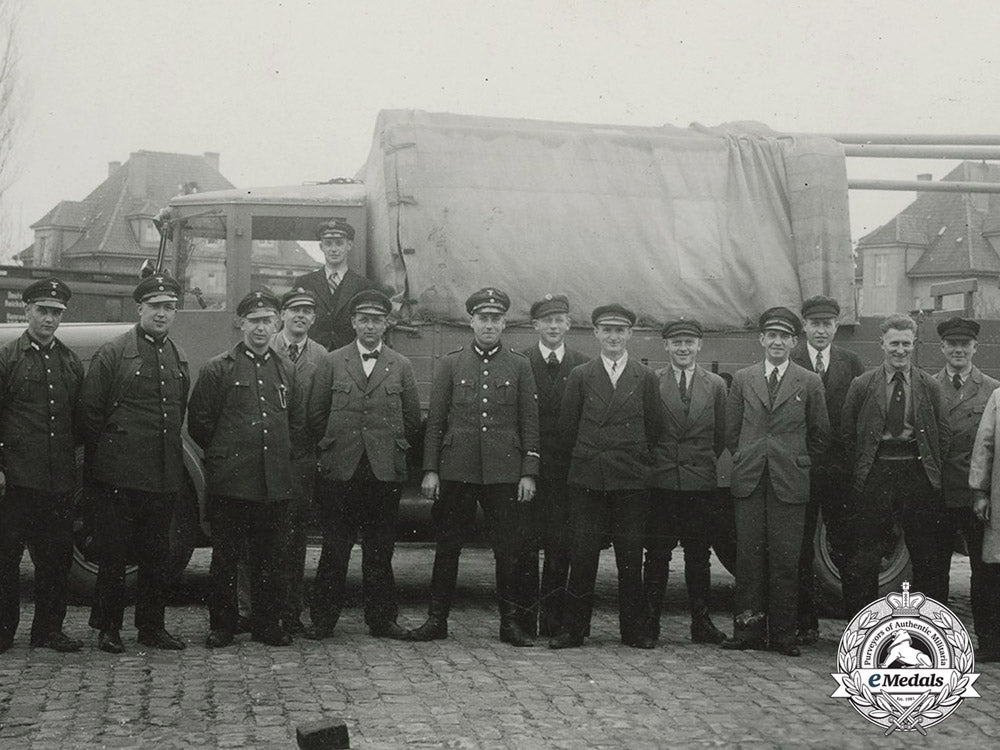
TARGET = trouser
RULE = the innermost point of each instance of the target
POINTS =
(897, 493)
(256, 525)
(985, 578)
(364, 504)
(131, 525)
(688, 517)
(552, 511)
(829, 495)
(768, 543)
(454, 516)
(43, 521)
(625, 512)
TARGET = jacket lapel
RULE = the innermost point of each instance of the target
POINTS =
(353, 359)
(699, 391)
(383, 365)
(348, 287)
(671, 396)
(788, 385)
(600, 383)
(628, 381)
(759, 385)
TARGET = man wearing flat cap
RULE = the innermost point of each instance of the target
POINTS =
(365, 411)
(481, 448)
(611, 416)
(829, 481)
(776, 426)
(133, 403)
(551, 362)
(684, 505)
(244, 408)
(40, 379)
(334, 285)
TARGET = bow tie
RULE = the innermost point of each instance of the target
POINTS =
(370, 355)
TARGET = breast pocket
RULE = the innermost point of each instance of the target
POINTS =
(506, 392)
(463, 391)
(240, 394)
(340, 394)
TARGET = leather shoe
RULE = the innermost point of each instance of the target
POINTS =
(160, 639)
(390, 630)
(807, 637)
(743, 644)
(433, 629)
(110, 641)
(703, 630)
(293, 625)
(243, 625)
(512, 633)
(219, 638)
(272, 637)
(318, 632)
(57, 641)
(641, 641)
(566, 640)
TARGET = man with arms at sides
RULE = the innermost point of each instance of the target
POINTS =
(776, 425)
(683, 502)
(334, 285)
(551, 363)
(611, 415)
(830, 478)
(481, 448)
(40, 379)
(366, 408)
(896, 432)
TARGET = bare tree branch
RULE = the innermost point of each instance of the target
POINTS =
(9, 121)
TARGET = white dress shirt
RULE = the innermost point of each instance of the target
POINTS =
(614, 368)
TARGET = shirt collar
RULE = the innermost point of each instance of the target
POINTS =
(288, 342)
(782, 368)
(362, 349)
(485, 353)
(619, 364)
(149, 338)
(559, 350)
(813, 351)
(30, 343)
(889, 373)
(952, 373)
(253, 356)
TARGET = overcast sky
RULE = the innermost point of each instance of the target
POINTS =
(288, 92)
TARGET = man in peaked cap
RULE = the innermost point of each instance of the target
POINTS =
(610, 418)
(133, 403)
(40, 382)
(365, 411)
(244, 408)
(481, 447)
(334, 285)
(776, 425)
(829, 478)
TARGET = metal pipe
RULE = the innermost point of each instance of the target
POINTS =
(910, 139)
(923, 152)
(924, 186)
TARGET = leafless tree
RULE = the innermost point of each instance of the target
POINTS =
(9, 97)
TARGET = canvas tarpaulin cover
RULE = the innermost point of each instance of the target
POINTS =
(716, 223)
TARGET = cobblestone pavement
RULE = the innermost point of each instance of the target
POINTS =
(469, 691)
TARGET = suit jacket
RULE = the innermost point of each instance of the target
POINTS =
(482, 424)
(555, 455)
(685, 456)
(611, 429)
(842, 366)
(984, 473)
(356, 415)
(305, 366)
(863, 422)
(783, 438)
(333, 328)
(964, 408)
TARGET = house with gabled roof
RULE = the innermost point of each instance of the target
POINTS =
(940, 237)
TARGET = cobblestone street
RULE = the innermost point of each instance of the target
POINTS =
(469, 691)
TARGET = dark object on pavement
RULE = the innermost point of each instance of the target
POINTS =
(322, 735)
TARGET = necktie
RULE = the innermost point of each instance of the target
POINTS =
(956, 380)
(682, 385)
(614, 373)
(552, 367)
(334, 282)
(820, 367)
(897, 406)
(552, 360)
(772, 384)
(293, 352)
(370, 355)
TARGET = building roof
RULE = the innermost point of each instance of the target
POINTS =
(66, 214)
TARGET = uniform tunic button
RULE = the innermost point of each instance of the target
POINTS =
(260, 382)
(261, 398)
(51, 386)
(263, 414)
(484, 429)
(265, 447)
(486, 400)
(484, 414)
(265, 430)
(49, 371)
(485, 387)
(486, 372)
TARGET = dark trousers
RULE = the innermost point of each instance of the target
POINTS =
(829, 494)
(509, 522)
(44, 521)
(255, 525)
(897, 493)
(364, 504)
(131, 525)
(552, 514)
(690, 518)
(985, 578)
(625, 513)
(768, 543)
(294, 538)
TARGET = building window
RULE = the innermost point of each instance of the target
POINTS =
(881, 274)
(150, 236)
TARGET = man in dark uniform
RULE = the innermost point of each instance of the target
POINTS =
(133, 403)
(366, 407)
(40, 381)
(551, 363)
(830, 476)
(776, 425)
(896, 434)
(481, 447)
(684, 504)
(244, 408)
(334, 285)
(611, 415)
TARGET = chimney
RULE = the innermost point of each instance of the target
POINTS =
(925, 177)
(113, 167)
(212, 157)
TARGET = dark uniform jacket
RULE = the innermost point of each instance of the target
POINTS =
(242, 415)
(611, 429)
(684, 458)
(39, 430)
(863, 422)
(482, 426)
(131, 443)
(964, 408)
(783, 438)
(555, 454)
(377, 416)
(842, 366)
(332, 327)
(306, 366)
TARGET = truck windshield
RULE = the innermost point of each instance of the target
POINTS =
(201, 262)
(284, 247)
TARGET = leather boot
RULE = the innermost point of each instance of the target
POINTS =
(703, 629)
(510, 629)
(435, 627)
(444, 577)
(511, 615)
